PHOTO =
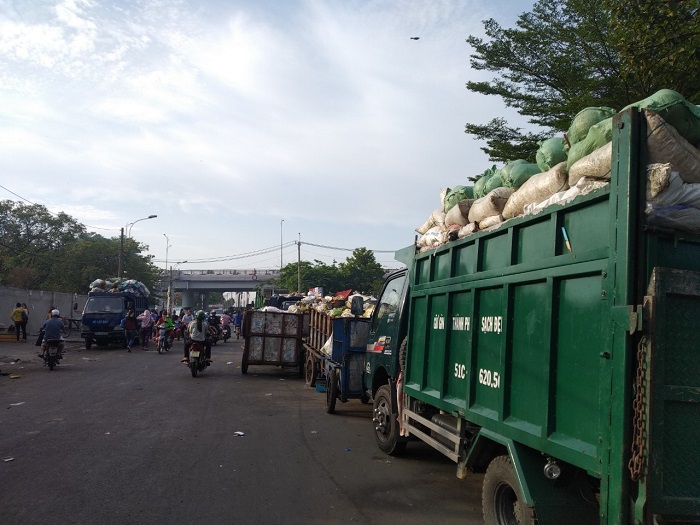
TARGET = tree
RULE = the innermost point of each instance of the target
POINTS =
(362, 272)
(32, 241)
(54, 252)
(567, 55)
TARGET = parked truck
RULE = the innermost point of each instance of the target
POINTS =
(102, 316)
(556, 354)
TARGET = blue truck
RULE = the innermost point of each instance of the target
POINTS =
(102, 315)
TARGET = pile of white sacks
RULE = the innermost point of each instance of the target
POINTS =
(580, 165)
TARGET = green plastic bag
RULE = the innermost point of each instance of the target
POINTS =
(523, 171)
(551, 152)
(583, 121)
(598, 136)
(456, 194)
(479, 184)
(494, 182)
(676, 111)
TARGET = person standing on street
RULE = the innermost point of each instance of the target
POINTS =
(130, 327)
(19, 317)
(25, 320)
(146, 328)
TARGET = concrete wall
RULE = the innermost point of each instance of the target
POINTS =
(38, 304)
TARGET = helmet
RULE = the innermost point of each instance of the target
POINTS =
(55, 313)
(200, 315)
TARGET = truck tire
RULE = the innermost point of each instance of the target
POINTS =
(386, 427)
(88, 343)
(501, 498)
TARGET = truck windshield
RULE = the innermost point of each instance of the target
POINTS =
(103, 304)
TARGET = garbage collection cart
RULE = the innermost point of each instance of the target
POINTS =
(273, 338)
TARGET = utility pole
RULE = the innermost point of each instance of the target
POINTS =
(299, 265)
(121, 253)
(281, 221)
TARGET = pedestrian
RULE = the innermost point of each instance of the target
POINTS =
(25, 319)
(146, 328)
(18, 317)
(130, 327)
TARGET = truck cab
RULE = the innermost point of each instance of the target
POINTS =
(102, 316)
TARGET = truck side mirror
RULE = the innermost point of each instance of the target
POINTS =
(357, 305)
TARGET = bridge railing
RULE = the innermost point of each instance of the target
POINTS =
(254, 271)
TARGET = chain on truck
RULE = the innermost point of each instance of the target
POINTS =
(556, 354)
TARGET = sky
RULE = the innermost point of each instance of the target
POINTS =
(243, 125)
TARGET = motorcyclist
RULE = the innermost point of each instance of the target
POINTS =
(214, 325)
(226, 322)
(197, 330)
(237, 320)
(166, 322)
(53, 330)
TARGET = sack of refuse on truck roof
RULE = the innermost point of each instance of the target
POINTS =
(459, 214)
(550, 153)
(665, 144)
(538, 188)
(584, 186)
(584, 120)
(597, 165)
(671, 203)
(491, 204)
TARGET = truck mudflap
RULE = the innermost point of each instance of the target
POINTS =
(669, 470)
(568, 499)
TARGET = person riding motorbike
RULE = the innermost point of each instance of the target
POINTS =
(237, 321)
(226, 323)
(166, 322)
(197, 330)
(53, 330)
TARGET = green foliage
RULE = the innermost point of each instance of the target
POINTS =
(567, 55)
(54, 252)
(360, 271)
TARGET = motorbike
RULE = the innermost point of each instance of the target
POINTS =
(163, 341)
(198, 357)
(52, 355)
(226, 333)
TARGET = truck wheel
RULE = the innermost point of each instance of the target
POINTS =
(501, 498)
(332, 390)
(244, 364)
(311, 370)
(386, 427)
(88, 343)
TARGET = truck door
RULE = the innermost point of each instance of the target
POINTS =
(385, 329)
(673, 387)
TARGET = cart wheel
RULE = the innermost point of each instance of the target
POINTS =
(311, 370)
(331, 390)
(244, 364)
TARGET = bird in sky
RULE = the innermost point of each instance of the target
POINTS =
(415, 37)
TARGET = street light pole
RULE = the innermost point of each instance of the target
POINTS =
(127, 227)
(170, 286)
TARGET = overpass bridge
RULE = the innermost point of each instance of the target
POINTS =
(193, 284)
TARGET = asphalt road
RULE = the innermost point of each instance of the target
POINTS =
(112, 437)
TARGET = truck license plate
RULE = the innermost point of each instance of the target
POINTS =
(100, 333)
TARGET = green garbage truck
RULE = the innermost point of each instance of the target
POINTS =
(556, 354)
